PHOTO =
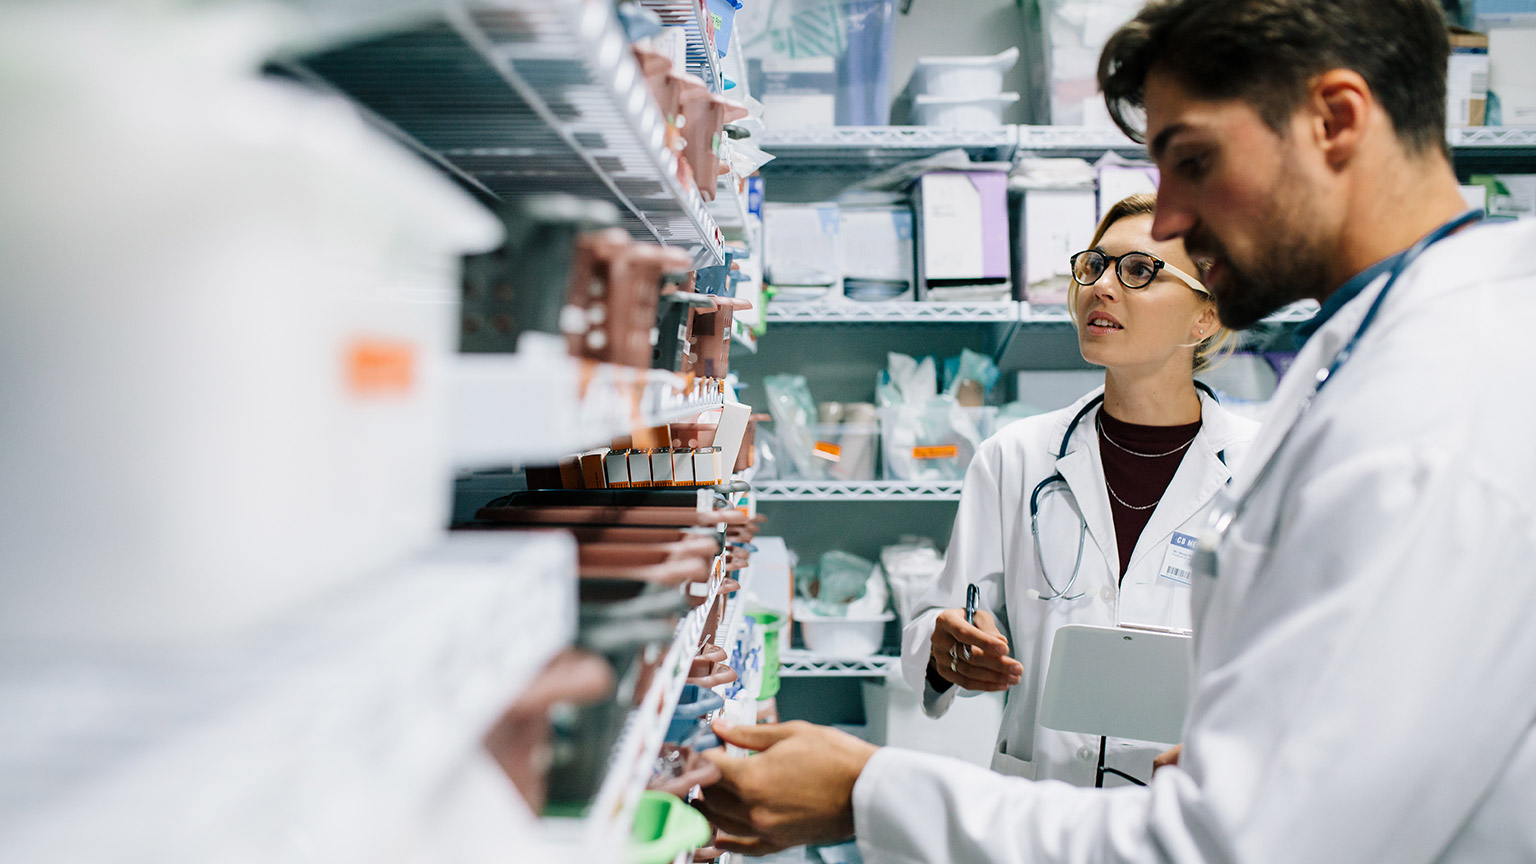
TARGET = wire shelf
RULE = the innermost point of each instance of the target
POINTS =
(891, 313)
(527, 96)
(855, 148)
(796, 663)
(870, 490)
(703, 59)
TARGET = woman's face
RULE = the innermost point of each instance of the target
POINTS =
(1120, 327)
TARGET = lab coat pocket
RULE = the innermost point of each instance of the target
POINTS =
(1008, 766)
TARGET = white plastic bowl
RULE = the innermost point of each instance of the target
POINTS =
(843, 637)
(963, 113)
(965, 77)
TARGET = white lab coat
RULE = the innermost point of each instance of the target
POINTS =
(992, 546)
(1365, 654)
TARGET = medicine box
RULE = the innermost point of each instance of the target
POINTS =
(803, 244)
(962, 229)
(1052, 225)
(877, 245)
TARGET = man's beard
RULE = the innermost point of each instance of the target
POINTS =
(1286, 271)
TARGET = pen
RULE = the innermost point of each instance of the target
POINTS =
(972, 598)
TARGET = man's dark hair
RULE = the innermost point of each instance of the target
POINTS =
(1266, 52)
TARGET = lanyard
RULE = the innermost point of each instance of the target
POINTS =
(1227, 510)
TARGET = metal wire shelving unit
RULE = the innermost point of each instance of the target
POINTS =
(868, 490)
(892, 313)
(797, 663)
(864, 148)
(525, 96)
(703, 59)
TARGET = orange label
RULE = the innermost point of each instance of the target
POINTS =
(379, 367)
(943, 451)
(829, 452)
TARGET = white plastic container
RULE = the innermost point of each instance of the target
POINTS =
(965, 77)
(843, 637)
(963, 112)
(230, 305)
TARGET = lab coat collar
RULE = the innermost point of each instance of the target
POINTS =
(1201, 474)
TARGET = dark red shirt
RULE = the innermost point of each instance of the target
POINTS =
(1138, 480)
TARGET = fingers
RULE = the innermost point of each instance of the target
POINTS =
(987, 665)
(746, 845)
(1167, 757)
(724, 810)
(758, 737)
(952, 629)
(974, 678)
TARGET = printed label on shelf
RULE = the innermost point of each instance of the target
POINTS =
(829, 452)
(942, 451)
(381, 367)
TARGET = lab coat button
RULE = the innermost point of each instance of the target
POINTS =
(1086, 753)
(1107, 594)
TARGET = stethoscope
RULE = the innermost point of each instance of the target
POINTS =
(1228, 506)
(1082, 528)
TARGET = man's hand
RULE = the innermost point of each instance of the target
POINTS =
(1167, 757)
(975, 657)
(798, 789)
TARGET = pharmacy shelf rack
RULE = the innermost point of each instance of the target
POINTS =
(853, 312)
(607, 822)
(1494, 149)
(330, 729)
(520, 97)
(798, 663)
(539, 405)
(867, 490)
(703, 59)
(825, 149)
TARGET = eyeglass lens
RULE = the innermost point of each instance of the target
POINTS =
(1135, 269)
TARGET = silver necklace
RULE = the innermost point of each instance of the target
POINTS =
(1098, 422)
(1129, 506)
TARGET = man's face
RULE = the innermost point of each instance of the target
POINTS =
(1248, 202)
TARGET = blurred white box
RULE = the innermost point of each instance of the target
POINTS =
(803, 244)
(1054, 224)
(877, 244)
(1512, 74)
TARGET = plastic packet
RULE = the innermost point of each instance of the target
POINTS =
(931, 441)
(970, 366)
(746, 158)
(793, 411)
(838, 579)
(910, 567)
(911, 381)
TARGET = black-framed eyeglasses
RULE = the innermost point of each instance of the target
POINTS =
(1135, 269)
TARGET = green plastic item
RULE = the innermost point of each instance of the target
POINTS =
(664, 828)
(771, 623)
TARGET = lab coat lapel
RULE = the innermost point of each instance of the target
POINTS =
(1084, 472)
(1200, 476)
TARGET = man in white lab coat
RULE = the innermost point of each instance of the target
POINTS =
(1365, 620)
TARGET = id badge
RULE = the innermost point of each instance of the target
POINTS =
(1178, 559)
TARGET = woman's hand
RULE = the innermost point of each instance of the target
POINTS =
(1167, 757)
(975, 657)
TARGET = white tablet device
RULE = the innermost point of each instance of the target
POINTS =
(1120, 682)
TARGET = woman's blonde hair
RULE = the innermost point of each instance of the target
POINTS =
(1210, 351)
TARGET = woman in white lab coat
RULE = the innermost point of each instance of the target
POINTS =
(1120, 482)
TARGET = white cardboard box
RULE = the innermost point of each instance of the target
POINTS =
(803, 245)
(1054, 224)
